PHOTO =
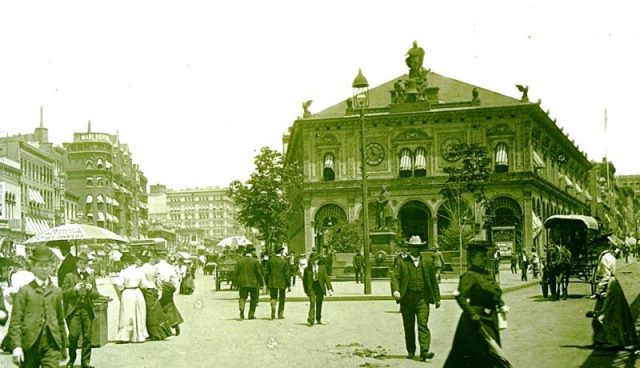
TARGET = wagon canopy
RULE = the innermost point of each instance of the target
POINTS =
(559, 220)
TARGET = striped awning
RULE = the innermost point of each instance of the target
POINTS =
(89, 199)
(107, 200)
(29, 226)
(101, 216)
(115, 202)
(567, 182)
(587, 196)
(115, 219)
(578, 189)
(99, 198)
(328, 161)
(405, 160)
(115, 185)
(537, 224)
(421, 162)
(35, 196)
(538, 162)
(502, 158)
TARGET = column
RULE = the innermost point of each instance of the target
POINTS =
(309, 230)
(433, 239)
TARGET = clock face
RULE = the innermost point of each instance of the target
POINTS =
(374, 154)
(447, 149)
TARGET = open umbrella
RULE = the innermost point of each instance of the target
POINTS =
(75, 232)
(234, 242)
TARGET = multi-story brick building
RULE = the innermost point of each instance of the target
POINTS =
(411, 123)
(196, 214)
(111, 187)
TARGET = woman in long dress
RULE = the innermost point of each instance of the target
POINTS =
(477, 341)
(132, 321)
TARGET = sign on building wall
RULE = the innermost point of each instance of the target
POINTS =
(3, 215)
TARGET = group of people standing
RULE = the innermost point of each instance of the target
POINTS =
(145, 291)
(278, 275)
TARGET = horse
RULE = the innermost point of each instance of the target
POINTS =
(559, 264)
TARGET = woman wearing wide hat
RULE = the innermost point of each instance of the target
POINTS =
(477, 339)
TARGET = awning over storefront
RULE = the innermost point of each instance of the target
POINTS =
(502, 158)
(405, 160)
(537, 225)
(421, 162)
(35, 196)
(115, 185)
(587, 196)
(115, 202)
(538, 162)
(115, 220)
(328, 161)
(29, 226)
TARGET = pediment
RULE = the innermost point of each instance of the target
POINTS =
(412, 135)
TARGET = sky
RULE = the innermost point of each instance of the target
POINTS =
(196, 88)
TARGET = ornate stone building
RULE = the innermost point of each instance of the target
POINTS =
(112, 189)
(411, 124)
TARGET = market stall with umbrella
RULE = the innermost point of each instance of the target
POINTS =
(75, 232)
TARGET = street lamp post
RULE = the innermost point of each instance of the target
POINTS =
(361, 103)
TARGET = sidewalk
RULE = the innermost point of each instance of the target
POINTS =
(381, 289)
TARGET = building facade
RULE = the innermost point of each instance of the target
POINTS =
(411, 124)
(200, 215)
(111, 188)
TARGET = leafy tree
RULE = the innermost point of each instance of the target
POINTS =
(466, 180)
(264, 201)
(347, 237)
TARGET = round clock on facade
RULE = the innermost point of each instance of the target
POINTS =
(447, 149)
(374, 155)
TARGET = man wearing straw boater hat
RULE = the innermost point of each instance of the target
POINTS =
(415, 286)
(79, 290)
(37, 330)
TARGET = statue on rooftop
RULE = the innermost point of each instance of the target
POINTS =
(525, 91)
(414, 60)
(305, 107)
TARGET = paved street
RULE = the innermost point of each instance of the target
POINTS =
(540, 334)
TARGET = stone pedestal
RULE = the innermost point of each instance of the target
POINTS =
(381, 241)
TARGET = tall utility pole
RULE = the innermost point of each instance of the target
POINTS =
(361, 103)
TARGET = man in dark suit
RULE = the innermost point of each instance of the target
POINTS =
(316, 284)
(278, 281)
(68, 265)
(358, 266)
(249, 278)
(37, 332)
(415, 286)
(79, 291)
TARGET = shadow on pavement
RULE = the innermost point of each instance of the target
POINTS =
(608, 358)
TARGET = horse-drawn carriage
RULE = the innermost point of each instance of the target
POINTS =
(224, 270)
(569, 252)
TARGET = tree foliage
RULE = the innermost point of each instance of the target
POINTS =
(465, 180)
(347, 237)
(264, 200)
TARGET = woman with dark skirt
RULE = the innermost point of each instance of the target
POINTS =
(188, 285)
(477, 340)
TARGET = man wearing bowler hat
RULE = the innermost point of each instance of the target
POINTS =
(249, 277)
(278, 281)
(415, 286)
(79, 290)
(37, 332)
(316, 284)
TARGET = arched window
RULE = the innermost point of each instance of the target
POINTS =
(420, 165)
(406, 163)
(502, 158)
(328, 173)
(88, 164)
(99, 165)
